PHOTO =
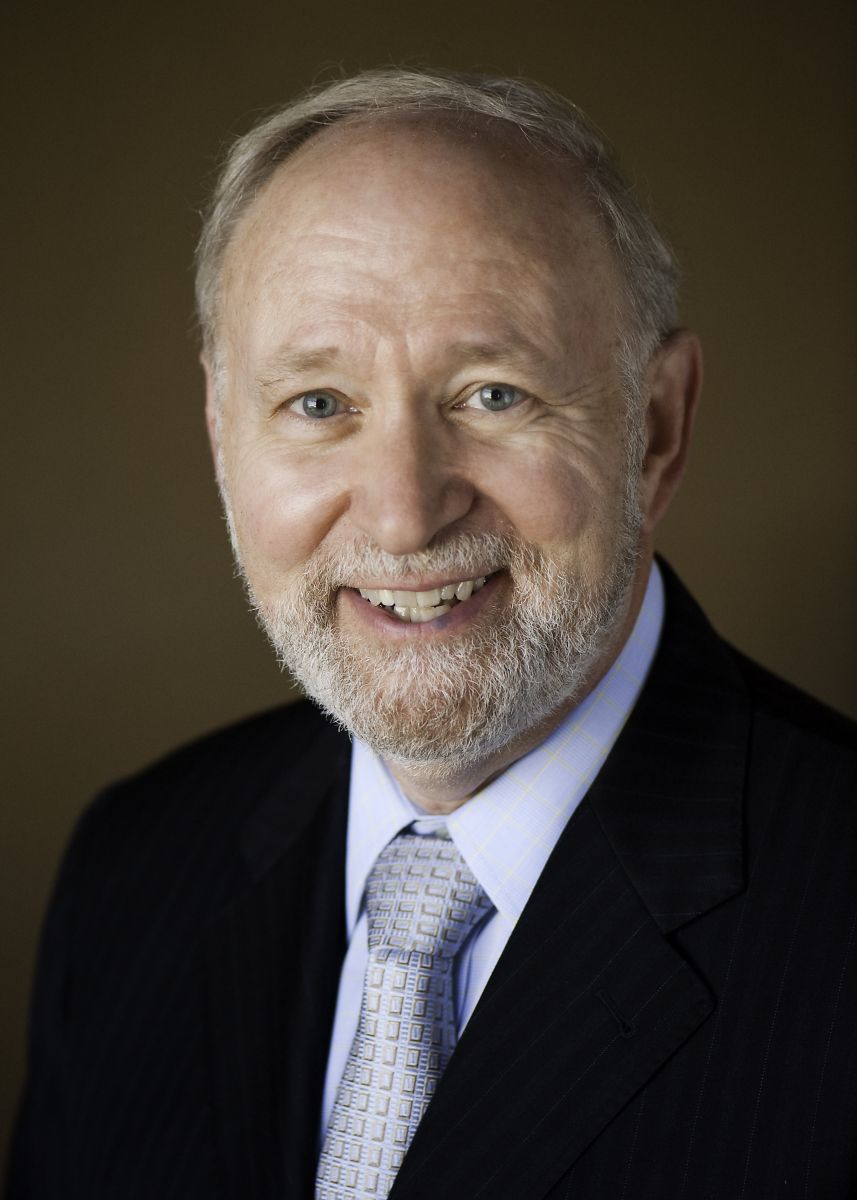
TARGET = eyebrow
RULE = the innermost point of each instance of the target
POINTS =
(291, 364)
(518, 353)
(297, 363)
(294, 364)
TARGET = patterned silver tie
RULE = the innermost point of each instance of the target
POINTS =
(422, 904)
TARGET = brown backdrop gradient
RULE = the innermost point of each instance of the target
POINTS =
(126, 632)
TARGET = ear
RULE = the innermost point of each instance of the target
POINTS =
(212, 412)
(674, 382)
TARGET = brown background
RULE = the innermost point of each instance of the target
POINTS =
(126, 632)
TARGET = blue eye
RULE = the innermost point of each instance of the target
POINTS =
(317, 404)
(495, 397)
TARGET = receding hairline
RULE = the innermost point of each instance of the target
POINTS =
(477, 135)
(525, 119)
(467, 126)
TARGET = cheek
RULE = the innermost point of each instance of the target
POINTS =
(555, 503)
(282, 511)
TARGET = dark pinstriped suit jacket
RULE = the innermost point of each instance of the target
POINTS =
(674, 1015)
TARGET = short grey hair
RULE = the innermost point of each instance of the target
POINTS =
(554, 126)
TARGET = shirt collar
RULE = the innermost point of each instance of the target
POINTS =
(506, 831)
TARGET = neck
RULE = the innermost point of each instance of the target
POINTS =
(435, 790)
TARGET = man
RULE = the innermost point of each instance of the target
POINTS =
(573, 914)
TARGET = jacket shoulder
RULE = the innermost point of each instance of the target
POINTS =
(244, 753)
(203, 792)
(688, 639)
(794, 709)
(287, 727)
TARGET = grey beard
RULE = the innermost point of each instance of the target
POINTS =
(448, 706)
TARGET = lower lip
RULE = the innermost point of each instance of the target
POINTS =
(458, 617)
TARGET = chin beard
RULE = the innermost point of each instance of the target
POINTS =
(442, 708)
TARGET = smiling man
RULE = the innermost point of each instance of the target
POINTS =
(429, 450)
(571, 911)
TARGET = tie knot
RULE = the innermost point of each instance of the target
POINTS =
(421, 897)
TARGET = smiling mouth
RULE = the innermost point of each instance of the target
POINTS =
(419, 607)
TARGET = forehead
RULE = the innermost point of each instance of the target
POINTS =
(411, 213)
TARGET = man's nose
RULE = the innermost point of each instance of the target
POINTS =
(410, 484)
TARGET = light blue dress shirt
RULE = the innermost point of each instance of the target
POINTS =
(505, 832)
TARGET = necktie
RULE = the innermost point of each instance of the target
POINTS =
(422, 903)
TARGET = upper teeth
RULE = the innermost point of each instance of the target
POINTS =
(430, 599)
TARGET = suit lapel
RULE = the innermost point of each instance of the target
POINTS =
(590, 998)
(272, 965)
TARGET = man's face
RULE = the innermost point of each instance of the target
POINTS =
(419, 391)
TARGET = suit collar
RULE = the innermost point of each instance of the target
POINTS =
(315, 763)
(670, 797)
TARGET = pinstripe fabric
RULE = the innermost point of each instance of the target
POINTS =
(671, 1019)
